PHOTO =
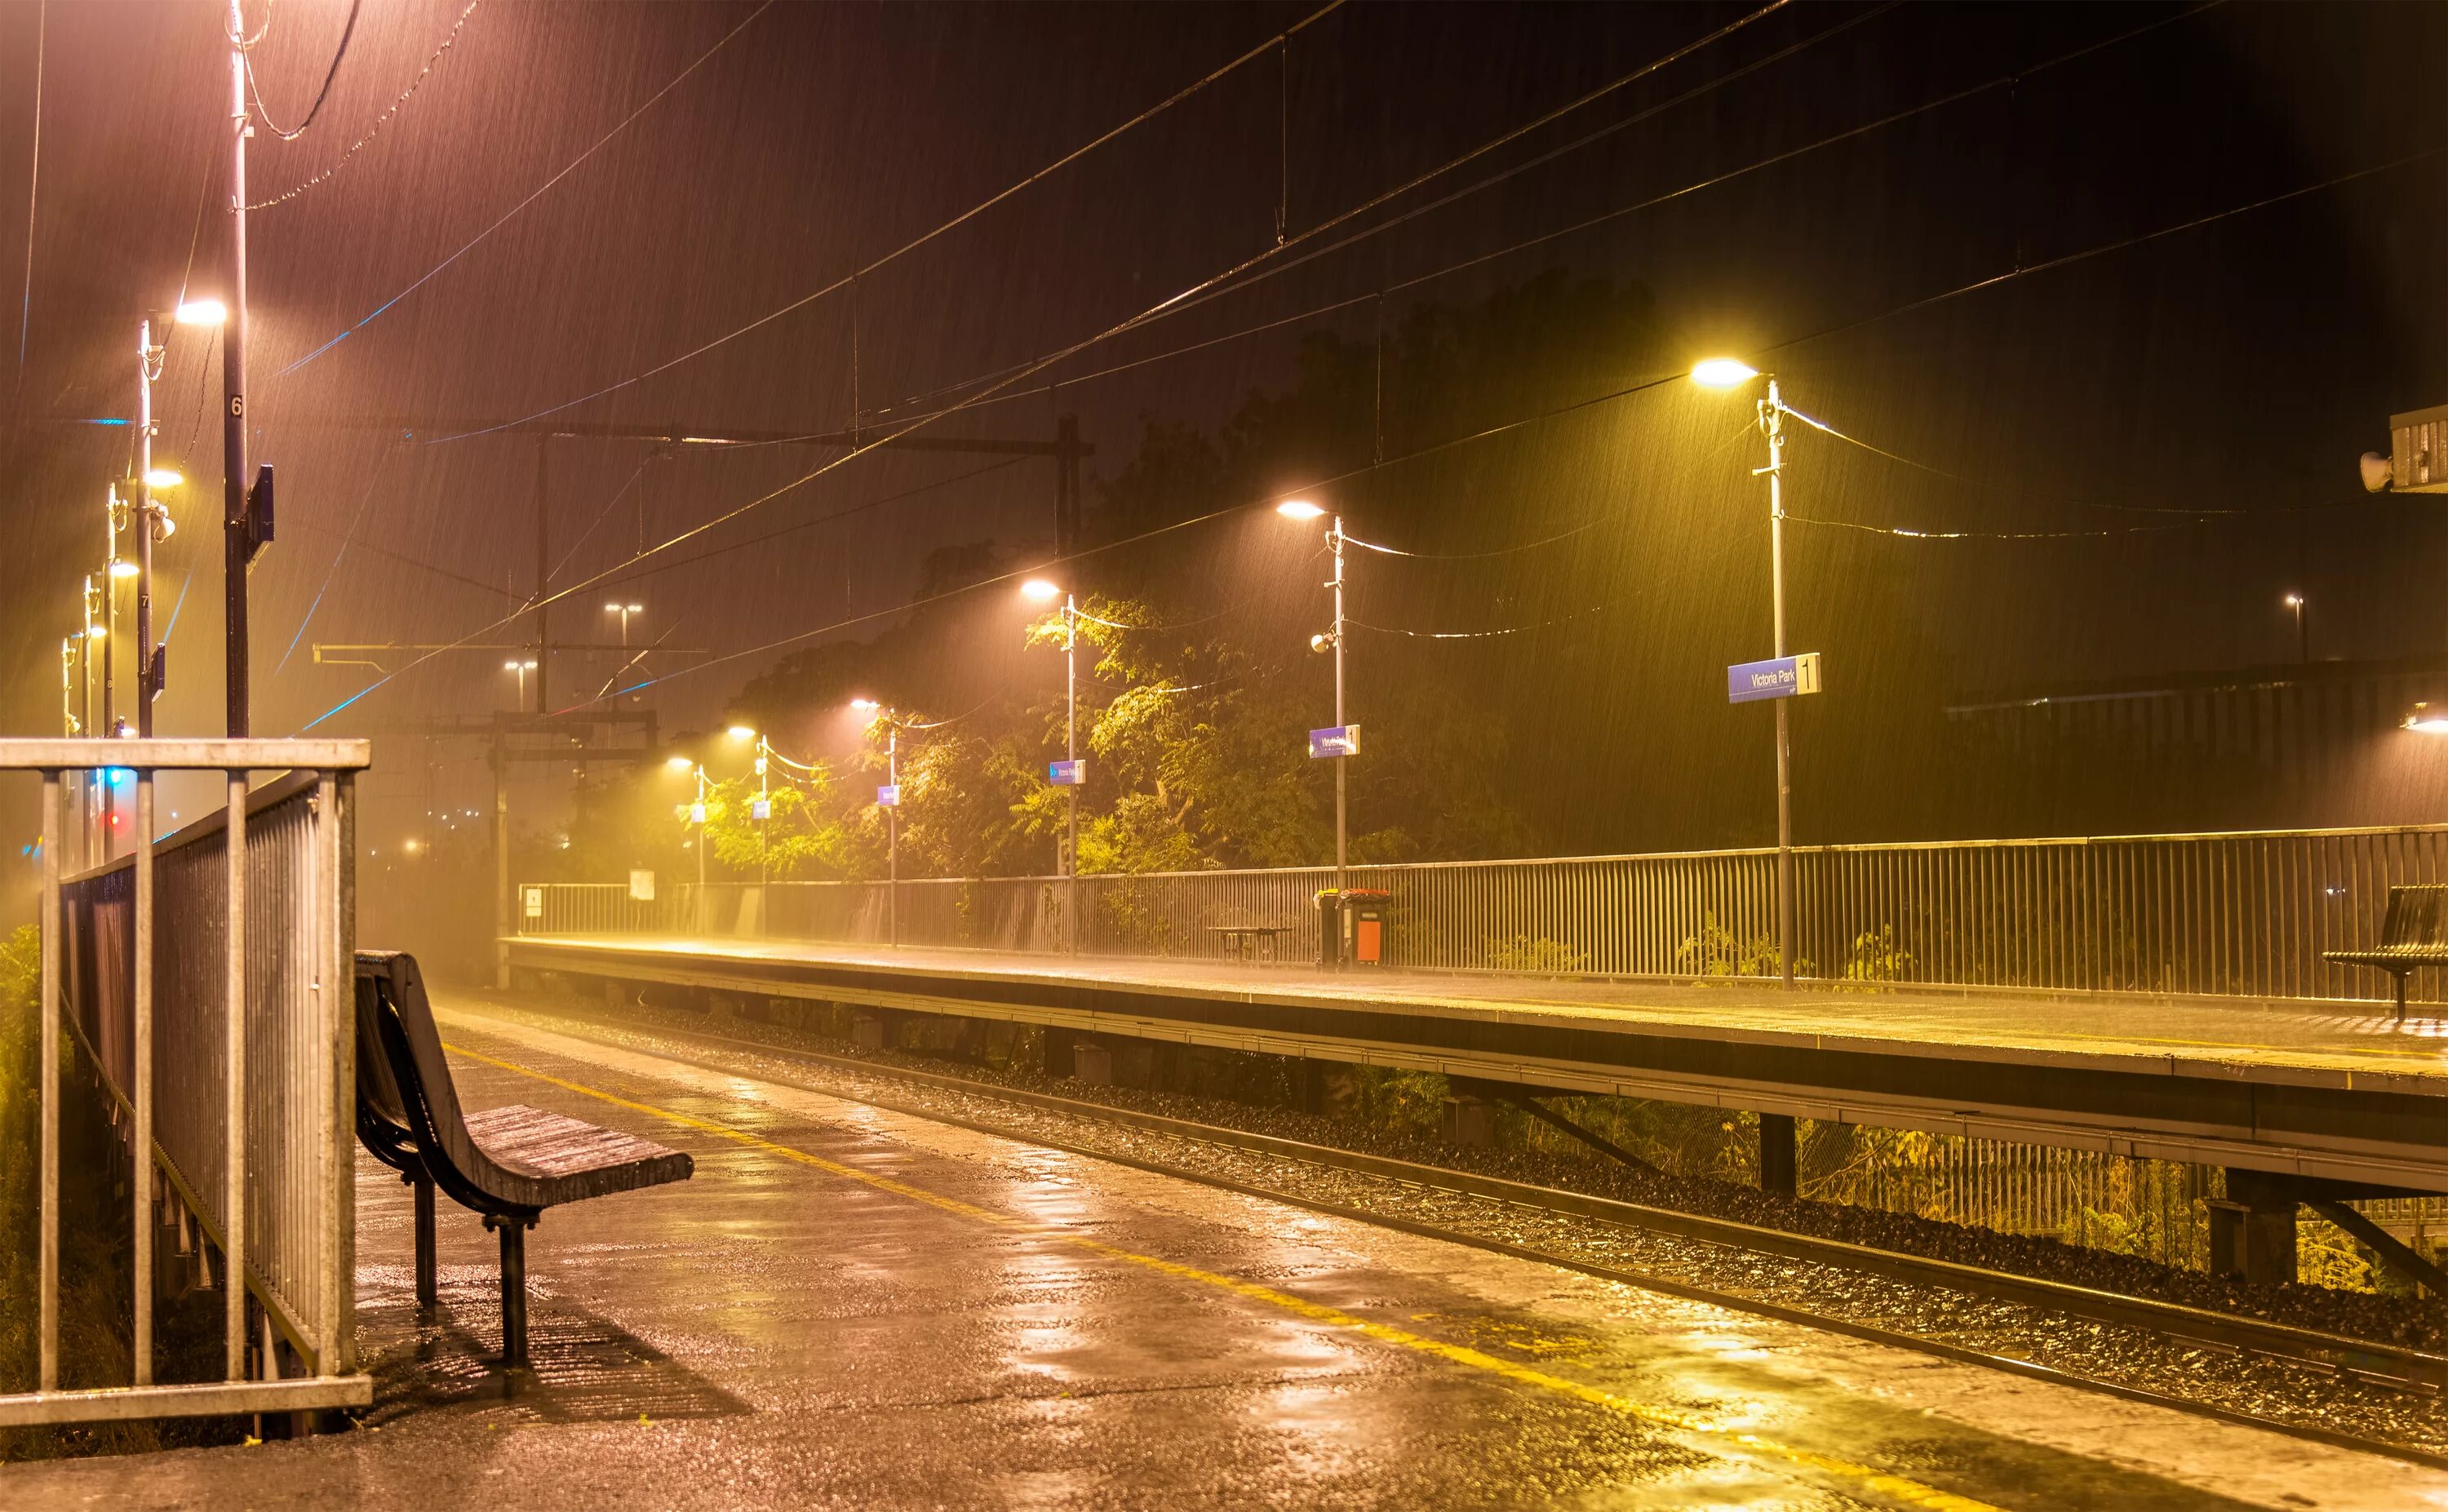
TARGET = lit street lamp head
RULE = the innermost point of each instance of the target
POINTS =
(742, 731)
(123, 569)
(1723, 373)
(164, 478)
(2423, 722)
(202, 313)
(1298, 510)
(864, 705)
(677, 763)
(2293, 601)
(1040, 591)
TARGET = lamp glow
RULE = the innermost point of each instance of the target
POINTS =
(1723, 373)
(1039, 590)
(1298, 510)
(864, 705)
(742, 731)
(95, 632)
(123, 569)
(2423, 722)
(677, 763)
(202, 313)
(164, 478)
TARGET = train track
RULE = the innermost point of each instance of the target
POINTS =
(2393, 1367)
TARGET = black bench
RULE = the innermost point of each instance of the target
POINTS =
(2413, 934)
(508, 1164)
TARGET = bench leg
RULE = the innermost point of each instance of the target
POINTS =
(514, 1289)
(2400, 997)
(429, 1293)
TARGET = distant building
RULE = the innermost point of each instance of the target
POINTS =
(2263, 748)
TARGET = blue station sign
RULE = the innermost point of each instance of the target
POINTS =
(1067, 774)
(889, 795)
(1337, 740)
(761, 810)
(1783, 677)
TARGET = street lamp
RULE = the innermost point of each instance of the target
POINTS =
(625, 610)
(1726, 373)
(1040, 591)
(891, 719)
(763, 815)
(2302, 634)
(152, 517)
(1304, 510)
(697, 817)
(520, 669)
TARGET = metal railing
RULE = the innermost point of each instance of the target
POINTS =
(208, 976)
(2243, 915)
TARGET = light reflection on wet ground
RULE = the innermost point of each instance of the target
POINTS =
(792, 1337)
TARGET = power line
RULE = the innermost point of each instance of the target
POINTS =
(2014, 535)
(1544, 238)
(848, 280)
(538, 193)
(1482, 635)
(1131, 322)
(33, 185)
(380, 120)
(263, 112)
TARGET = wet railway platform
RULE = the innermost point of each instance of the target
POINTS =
(851, 1307)
(2329, 1091)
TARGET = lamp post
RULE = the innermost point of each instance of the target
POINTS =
(625, 610)
(891, 719)
(764, 818)
(1043, 592)
(238, 548)
(152, 517)
(1725, 373)
(2302, 634)
(519, 669)
(1303, 509)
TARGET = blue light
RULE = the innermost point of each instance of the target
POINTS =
(108, 420)
(121, 775)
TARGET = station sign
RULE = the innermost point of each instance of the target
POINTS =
(889, 795)
(641, 884)
(1782, 678)
(533, 898)
(759, 809)
(1335, 741)
(696, 813)
(1067, 774)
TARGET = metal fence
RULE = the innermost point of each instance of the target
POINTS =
(2242, 914)
(207, 976)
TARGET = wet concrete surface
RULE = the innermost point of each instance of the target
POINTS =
(849, 1307)
(2318, 1042)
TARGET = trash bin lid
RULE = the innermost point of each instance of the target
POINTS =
(1366, 894)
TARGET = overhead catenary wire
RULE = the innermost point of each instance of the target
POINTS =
(1129, 323)
(34, 186)
(850, 280)
(263, 112)
(380, 120)
(1480, 635)
(1544, 238)
(568, 168)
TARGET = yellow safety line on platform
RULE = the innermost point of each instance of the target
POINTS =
(1880, 1483)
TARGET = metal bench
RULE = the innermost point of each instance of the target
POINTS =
(508, 1163)
(2414, 933)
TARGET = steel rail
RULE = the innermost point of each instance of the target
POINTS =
(2416, 1372)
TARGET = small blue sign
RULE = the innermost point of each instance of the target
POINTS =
(1337, 740)
(889, 796)
(1783, 677)
(761, 810)
(1067, 774)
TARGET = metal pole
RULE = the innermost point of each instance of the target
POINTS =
(234, 1104)
(544, 571)
(141, 1091)
(501, 855)
(892, 827)
(1771, 421)
(764, 838)
(1336, 540)
(47, 1282)
(145, 691)
(234, 549)
(701, 848)
(109, 673)
(1071, 753)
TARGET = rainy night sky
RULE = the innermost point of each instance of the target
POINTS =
(2122, 291)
